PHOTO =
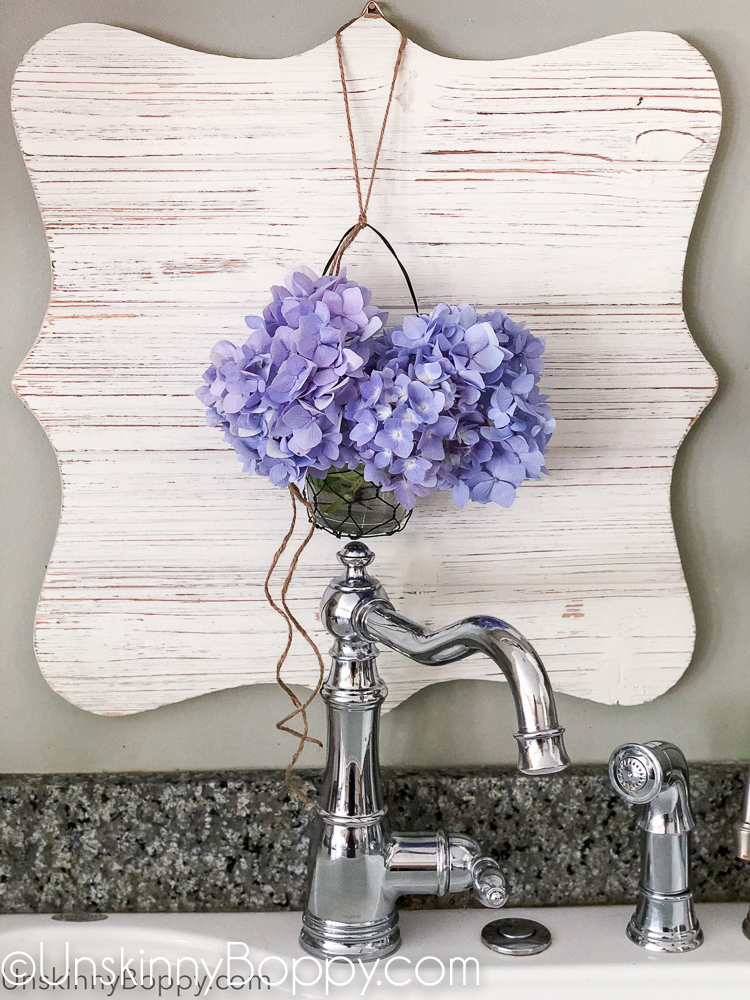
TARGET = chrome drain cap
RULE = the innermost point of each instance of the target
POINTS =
(516, 936)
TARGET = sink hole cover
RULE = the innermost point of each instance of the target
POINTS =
(516, 936)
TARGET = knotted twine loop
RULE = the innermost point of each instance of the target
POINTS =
(283, 609)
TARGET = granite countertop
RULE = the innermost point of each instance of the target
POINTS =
(191, 841)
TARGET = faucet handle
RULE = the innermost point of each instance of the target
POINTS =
(489, 883)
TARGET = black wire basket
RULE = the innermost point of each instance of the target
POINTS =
(345, 504)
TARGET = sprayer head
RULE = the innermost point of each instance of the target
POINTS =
(654, 774)
(636, 772)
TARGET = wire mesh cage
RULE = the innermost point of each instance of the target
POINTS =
(345, 504)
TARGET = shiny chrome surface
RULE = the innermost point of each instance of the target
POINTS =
(487, 881)
(358, 866)
(516, 936)
(654, 776)
(540, 744)
(742, 834)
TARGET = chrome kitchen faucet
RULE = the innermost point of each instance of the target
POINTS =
(358, 866)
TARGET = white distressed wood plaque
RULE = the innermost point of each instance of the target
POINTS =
(176, 187)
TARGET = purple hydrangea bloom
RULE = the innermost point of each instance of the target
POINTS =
(464, 410)
(447, 401)
(281, 395)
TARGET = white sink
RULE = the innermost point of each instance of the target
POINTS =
(589, 959)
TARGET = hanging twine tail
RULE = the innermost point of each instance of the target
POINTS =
(292, 624)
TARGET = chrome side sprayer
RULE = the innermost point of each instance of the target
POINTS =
(654, 776)
(358, 865)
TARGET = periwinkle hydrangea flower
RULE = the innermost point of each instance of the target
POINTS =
(453, 403)
(280, 396)
(447, 401)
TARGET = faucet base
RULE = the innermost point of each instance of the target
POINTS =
(665, 923)
(336, 939)
(746, 925)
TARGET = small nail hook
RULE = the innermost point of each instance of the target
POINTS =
(372, 9)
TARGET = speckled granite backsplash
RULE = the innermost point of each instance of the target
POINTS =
(236, 841)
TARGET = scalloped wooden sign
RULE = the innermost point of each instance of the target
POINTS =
(176, 187)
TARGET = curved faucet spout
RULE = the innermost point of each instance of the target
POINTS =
(540, 742)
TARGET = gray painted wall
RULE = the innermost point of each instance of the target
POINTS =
(460, 723)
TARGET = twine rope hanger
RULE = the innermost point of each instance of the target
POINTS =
(332, 267)
(361, 223)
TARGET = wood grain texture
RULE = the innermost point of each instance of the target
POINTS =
(176, 187)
